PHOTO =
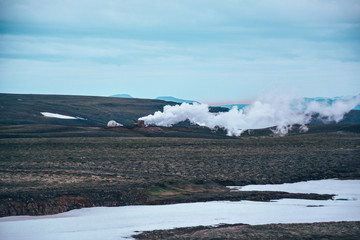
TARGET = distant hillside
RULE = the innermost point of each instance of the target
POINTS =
(328, 100)
(240, 106)
(122, 96)
(177, 100)
(26, 109)
(19, 109)
(307, 100)
(351, 117)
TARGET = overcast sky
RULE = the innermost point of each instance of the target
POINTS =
(210, 51)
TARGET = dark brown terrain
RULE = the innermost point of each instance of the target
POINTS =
(121, 171)
(51, 165)
(323, 231)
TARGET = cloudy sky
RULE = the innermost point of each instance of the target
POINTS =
(206, 50)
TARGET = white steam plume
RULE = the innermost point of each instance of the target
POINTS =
(281, 112)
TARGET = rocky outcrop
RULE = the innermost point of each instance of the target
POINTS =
(52, 203)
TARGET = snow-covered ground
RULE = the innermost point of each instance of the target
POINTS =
(122, 222)
(342, 188)
(60, 116)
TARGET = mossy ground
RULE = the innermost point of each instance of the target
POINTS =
(166, 170)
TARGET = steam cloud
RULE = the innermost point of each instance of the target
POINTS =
(280, 112)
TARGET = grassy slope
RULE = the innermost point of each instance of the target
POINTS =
(26, 108)
(20, 117)
(61, 162)
(164, 170)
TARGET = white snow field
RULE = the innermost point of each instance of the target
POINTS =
(345, 188)
(60, 116)
(122, 222)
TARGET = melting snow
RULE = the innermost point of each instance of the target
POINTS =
(60, 116)
(122, 222)
(345, 188)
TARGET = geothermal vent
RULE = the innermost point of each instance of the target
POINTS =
(140, 123)
(113, 123)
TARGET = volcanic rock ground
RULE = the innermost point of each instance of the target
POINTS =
(51, 175)
(323, 231)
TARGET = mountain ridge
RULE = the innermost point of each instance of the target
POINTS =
(174, 99)
(124, 95)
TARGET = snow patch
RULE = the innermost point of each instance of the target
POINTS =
(122, 222)
(343, 188)
(60, 116)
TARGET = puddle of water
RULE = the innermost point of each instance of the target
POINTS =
(122, 222)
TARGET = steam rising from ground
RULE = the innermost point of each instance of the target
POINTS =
(280, 112)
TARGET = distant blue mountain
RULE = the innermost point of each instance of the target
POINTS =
(122, 96)
(328, 100)
(240, 106)
(177, 100)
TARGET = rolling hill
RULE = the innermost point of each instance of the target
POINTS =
(27, 108)
(176, 100)
(122, 96)
(21, 116)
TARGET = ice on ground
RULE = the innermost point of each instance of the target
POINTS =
(328, 186)
(122, 222)
(60, 116)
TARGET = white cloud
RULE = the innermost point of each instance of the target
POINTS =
(156, 13)
(233, 47)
